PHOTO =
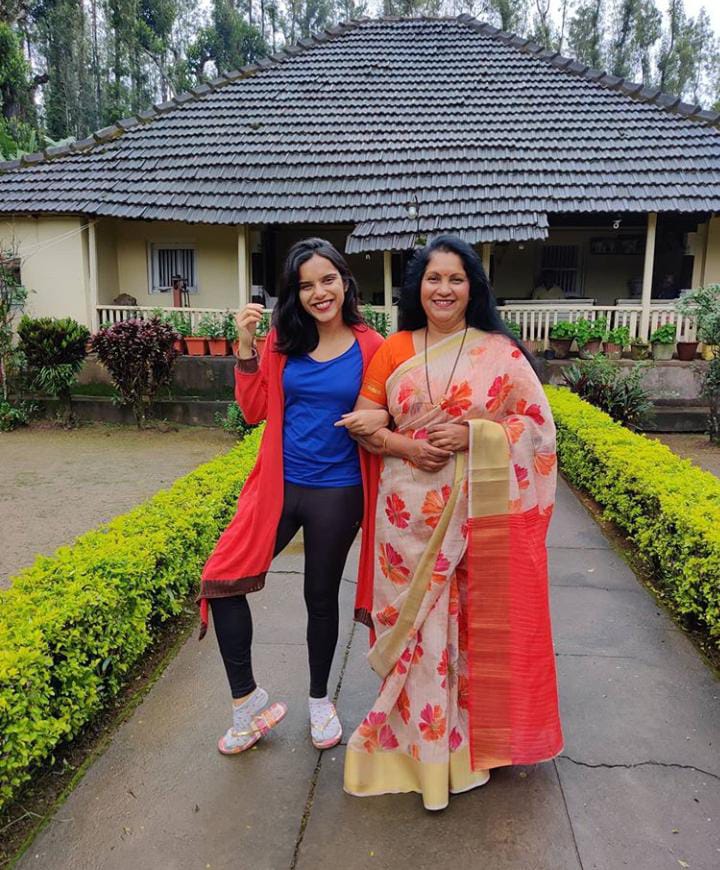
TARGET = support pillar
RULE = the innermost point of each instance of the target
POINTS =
(244, 262)
(648, 275)
(387, 288)
(486, 253)
(93, 320)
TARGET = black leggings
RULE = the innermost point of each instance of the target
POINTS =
(329, 519)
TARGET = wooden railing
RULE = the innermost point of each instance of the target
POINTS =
(535, 320)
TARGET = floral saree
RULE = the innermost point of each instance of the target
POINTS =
(460, 612)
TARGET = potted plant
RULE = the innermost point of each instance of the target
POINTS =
(261, 332)
(590, 335)
(639, 349)
(617, 339)
(663, 342)
(562, 335)
(229, 328)
(197, 343)
(687, 350)
(211, 329)
(514, 329)
(181, 324)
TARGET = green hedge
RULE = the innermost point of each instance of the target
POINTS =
(73, 624)
(669, 508)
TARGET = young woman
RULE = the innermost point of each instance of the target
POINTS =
(457, 595)
(309, 475)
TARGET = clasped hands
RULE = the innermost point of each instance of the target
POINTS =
(429, 454)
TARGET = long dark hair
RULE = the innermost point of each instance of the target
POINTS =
(296, 329)
(482, 310)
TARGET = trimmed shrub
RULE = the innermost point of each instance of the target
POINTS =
(54, 351)
(140, 356)
(73, 624)
(668, 507)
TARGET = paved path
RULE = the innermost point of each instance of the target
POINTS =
(57, 484)
(637, 786)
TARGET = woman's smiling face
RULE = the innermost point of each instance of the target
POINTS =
(322, 291)
(445, 290)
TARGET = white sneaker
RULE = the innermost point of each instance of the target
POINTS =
(325, 727)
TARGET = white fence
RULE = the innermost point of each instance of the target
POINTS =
(535, 321)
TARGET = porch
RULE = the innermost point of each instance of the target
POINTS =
(624, 268)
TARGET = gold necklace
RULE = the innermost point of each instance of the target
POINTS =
(427, 373)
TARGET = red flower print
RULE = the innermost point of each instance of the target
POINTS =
(516, 354)
(463, 698)
(455, 740)
(522, 476)
(403, 661)
(441, 566)
(544, 463)
(420, 434)
(514, 429)
(432, 722)
(409, 394)
(414, 750)
(532, 411)
(498, 392)
(403, 705)
(458, 400)
(395, 510)
(434, 505)
(387, 616)
(376, 733)
(418, 652)
(443, 668)
(391, 564)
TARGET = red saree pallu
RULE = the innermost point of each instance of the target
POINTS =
(459, 602)
(244, 551)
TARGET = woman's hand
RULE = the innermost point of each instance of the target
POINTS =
(426, 456)
(365, 422)
(450, 436)
(247, 321)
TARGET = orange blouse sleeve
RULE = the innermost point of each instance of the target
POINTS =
(391, 353)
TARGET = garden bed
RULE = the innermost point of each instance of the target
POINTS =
(668, 508)
(73, 625)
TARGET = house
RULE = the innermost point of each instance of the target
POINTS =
(375, 134)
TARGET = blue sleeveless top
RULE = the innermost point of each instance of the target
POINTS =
(316, 453)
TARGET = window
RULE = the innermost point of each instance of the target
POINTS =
(563, 264)
(170, 261)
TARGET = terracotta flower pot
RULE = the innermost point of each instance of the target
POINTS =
(561, 346)
(590, 348)
(219, 346)
(662, 352)
(196, 346)
(612, 350)
(686, 350)
(179, 345)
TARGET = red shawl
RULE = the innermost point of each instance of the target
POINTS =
(243, 553)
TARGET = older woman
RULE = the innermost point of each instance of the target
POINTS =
(456, 596)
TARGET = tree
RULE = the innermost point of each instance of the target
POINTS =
(229, 41)
(636, 29)
(17, 116)
(511, 15)
(585, 33)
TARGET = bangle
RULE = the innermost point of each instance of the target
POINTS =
(385, 441)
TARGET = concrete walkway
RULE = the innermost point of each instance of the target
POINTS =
(637, 786)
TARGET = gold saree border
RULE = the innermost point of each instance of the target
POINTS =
(375, 773)
(389, 646)
(488, 602)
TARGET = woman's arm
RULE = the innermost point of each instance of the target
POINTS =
(250, 373)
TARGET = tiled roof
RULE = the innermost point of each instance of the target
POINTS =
(485, 133)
